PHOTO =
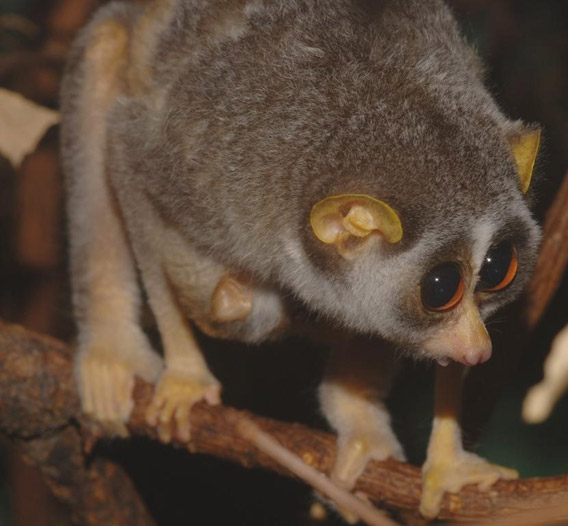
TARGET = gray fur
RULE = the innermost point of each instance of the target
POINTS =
(257, 110)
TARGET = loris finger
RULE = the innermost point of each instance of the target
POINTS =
(182, 420)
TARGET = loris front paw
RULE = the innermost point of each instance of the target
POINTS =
(175, 394)
(364, 434)
(363, 429)
(454, 472)
(105, 367)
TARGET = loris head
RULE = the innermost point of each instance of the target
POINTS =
(431, 289)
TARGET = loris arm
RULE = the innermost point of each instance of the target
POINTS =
(357, 381)
(448, 467)
(187, 378)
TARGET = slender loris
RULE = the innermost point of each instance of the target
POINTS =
(246, 155)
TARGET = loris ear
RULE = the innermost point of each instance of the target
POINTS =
(525, 148)
(348, 222)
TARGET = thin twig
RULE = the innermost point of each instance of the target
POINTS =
(344, 500)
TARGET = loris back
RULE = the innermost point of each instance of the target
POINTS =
(251, 112)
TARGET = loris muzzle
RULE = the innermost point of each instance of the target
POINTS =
(247, 155)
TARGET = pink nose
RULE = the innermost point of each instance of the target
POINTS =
(474, 357)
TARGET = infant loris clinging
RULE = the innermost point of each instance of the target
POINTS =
(343, 153)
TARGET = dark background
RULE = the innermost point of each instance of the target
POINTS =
(525, 47)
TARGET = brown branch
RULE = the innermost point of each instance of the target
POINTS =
(555, 514)
(40, 409)
(389, 484)
(553, 259)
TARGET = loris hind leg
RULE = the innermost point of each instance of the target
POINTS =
(352, 394)
(112, 347)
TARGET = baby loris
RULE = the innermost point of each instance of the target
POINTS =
(342, 153)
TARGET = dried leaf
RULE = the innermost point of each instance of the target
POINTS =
(22, 124)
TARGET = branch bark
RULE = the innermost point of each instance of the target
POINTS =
(390, 484)
(552, 261)
(40, 412)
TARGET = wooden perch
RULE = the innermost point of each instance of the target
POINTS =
(40, 413)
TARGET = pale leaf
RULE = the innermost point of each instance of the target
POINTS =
(22, 124)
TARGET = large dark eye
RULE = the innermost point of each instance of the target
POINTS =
(442, 288)
(499, 268)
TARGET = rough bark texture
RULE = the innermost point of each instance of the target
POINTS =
(390, 484)
(39, 412)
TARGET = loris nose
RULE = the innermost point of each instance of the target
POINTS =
(475, 356)
(475, 345)
(466, 341)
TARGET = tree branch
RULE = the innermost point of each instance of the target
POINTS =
(389, 484)
(40, 413)
(552, 261)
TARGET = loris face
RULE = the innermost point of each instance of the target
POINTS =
(432, 296)
(461, 284)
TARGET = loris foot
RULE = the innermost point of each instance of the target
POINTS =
(105, 369)
(355, 450)
(175, 394)
(453, 473)
(352, 404)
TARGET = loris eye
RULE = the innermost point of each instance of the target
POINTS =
(442, 288)
(499, 268)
